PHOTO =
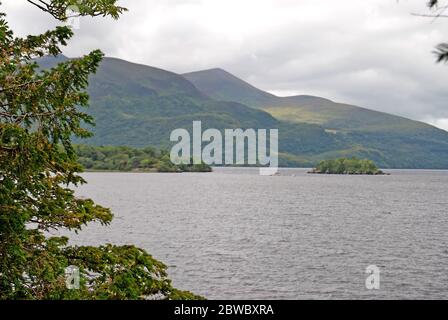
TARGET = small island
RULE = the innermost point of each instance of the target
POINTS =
(127, 159)
(352, 166)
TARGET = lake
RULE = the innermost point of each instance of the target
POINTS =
(233, 234)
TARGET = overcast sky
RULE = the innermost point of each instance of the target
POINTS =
(371, 53)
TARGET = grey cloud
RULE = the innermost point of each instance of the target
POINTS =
(369, 53)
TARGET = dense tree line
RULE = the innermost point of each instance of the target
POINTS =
(347, 166)
(110, 158)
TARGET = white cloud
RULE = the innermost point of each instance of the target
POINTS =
(370, 53)
(440, 123)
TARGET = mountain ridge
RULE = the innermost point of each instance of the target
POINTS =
(273, 104)
(136, 105)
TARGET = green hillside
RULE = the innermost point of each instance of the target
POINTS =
(139, 106)
(391, 141)
(221, 85)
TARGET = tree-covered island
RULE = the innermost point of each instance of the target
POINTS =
(110, 158)
(347, 166)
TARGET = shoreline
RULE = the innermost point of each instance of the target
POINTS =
(142, 171)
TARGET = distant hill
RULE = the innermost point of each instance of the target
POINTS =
(221, 85)
(404, 142)
(136, 105)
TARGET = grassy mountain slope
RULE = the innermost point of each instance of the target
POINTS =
(390, 140)
(221, 85)
(138, 106)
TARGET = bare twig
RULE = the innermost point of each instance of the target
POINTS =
(430, 15)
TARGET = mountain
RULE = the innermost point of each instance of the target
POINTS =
(390, 140)
(138, 106)
(221, 85)
(224, 86)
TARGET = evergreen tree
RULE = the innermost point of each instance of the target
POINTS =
(40, 111)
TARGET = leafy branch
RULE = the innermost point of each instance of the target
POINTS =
(40, 112)
(59, 9)
(439, 11)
